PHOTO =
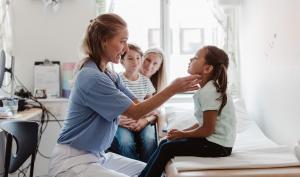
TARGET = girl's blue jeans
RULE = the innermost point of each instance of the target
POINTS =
(135, 145)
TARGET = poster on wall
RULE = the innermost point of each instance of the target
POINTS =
(47, 79)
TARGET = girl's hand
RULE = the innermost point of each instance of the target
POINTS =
(140, 124)
(126, 122)
(184, 84)
(175, 134)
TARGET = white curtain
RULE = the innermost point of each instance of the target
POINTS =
(5, 27)
(227, 18)
(103, 6)
(218, 13)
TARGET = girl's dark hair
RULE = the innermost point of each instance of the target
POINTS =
(219, 60)
(100, 29)
(134, 48)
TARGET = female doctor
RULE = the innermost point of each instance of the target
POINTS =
(97, 98)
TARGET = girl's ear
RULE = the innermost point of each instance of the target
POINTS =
(208, 69)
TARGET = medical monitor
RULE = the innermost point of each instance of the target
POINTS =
(2, 66)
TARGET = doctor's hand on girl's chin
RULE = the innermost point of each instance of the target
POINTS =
(184, 84)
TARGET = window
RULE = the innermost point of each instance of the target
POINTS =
(143, 22)
(190, 40)
(190, 24)
(143, 19)
(194, 26)
(154, 37)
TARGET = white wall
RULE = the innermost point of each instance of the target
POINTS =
(41, 33)
(270, 66)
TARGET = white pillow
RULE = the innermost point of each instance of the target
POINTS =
(181, 115)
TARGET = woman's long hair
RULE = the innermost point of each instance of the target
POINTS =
(158, 79)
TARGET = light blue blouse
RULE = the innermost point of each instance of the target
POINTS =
(96, 101)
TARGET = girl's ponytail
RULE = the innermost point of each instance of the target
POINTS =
(221, 85)
(219, 60)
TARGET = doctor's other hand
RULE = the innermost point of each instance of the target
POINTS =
(140, 124)
(184, 84)
(127, 122)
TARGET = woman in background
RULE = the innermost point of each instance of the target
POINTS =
(154, 68)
